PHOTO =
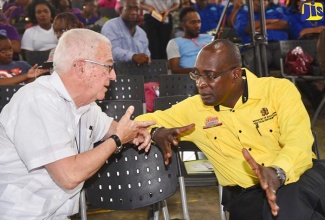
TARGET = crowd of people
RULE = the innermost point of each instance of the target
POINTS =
(254, 131)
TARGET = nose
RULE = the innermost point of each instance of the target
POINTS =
(112, 75)
(200, 82)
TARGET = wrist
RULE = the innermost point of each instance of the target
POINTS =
(153, 133)
(280, 173)
(118, 143)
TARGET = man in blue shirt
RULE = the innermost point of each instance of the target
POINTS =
(129, 41)
(182, 51)
(209, 13)
(276, 27)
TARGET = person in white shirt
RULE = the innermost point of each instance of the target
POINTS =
(41, 36)
(49, 127)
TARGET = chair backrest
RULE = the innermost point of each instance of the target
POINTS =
(308, 46)
(150, 71)
(126, 87)
(132, 179)
(165, 102)
(202, 179)
(107, 12)
(6, 92)
(39, 57)
(176, 84)
(117, 108)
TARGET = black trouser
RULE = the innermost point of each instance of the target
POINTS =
(302, 200)
(158, 33)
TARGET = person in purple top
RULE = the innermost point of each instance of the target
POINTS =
(88, 16)
(12, 34)
(18, 12)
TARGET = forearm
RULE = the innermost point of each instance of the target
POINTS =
(71, 171)
(13, 80)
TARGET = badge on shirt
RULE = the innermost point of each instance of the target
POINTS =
(211, 122)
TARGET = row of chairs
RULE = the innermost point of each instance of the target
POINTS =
(308, 46)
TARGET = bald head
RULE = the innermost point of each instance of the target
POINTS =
(225, 51)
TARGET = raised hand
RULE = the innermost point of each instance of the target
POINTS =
(268, 179)
(134, 131)
(168, 137)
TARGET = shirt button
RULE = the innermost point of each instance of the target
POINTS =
(271, 130)
(250, 149)
(215, 138)
(233, 110)
(239, 131)
(262, 164)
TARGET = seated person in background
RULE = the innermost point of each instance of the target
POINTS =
(49, 127)
(177, 27)
(210, 14)
(182, 51)
(18, 12)
(15, 72)
(89, 15)
(233, 10)
(12, 34)
(254, 131)
(64, 6)
(62, 23)
(129, 41)
(276, 27)
(300, 28)
(40, 37)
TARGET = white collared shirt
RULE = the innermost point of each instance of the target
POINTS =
(41, 125)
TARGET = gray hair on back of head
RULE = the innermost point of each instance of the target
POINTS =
(76, 44)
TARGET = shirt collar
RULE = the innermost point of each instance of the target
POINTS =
(250, 91)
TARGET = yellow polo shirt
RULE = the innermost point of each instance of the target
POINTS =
(272, 124)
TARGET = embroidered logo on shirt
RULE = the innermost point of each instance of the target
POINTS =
(264, 111)
(211, 122)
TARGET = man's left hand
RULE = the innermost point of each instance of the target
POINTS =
(268, 179)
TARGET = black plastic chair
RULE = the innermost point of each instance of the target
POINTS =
(177, 84)
(186, 179)
(150, 71)
(6, 92)
(117, 108)
(39, 57)
(133, 179)
(127, 87)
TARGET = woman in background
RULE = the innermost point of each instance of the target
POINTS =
(39, 37)
(62, 23)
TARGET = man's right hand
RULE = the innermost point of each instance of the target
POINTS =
(166, 137)
(141, 58)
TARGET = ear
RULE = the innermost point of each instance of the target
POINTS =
(79, 68)
(236, 73)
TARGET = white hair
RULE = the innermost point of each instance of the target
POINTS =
(76, 44)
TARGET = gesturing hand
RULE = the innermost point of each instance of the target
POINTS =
(268, 179)
(166, 137)
(134, 131)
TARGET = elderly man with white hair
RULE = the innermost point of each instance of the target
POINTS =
(48, 129)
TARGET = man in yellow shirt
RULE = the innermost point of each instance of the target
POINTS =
(255, 132)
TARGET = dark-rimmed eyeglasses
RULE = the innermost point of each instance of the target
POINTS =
(110, 67)
(209, 76)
